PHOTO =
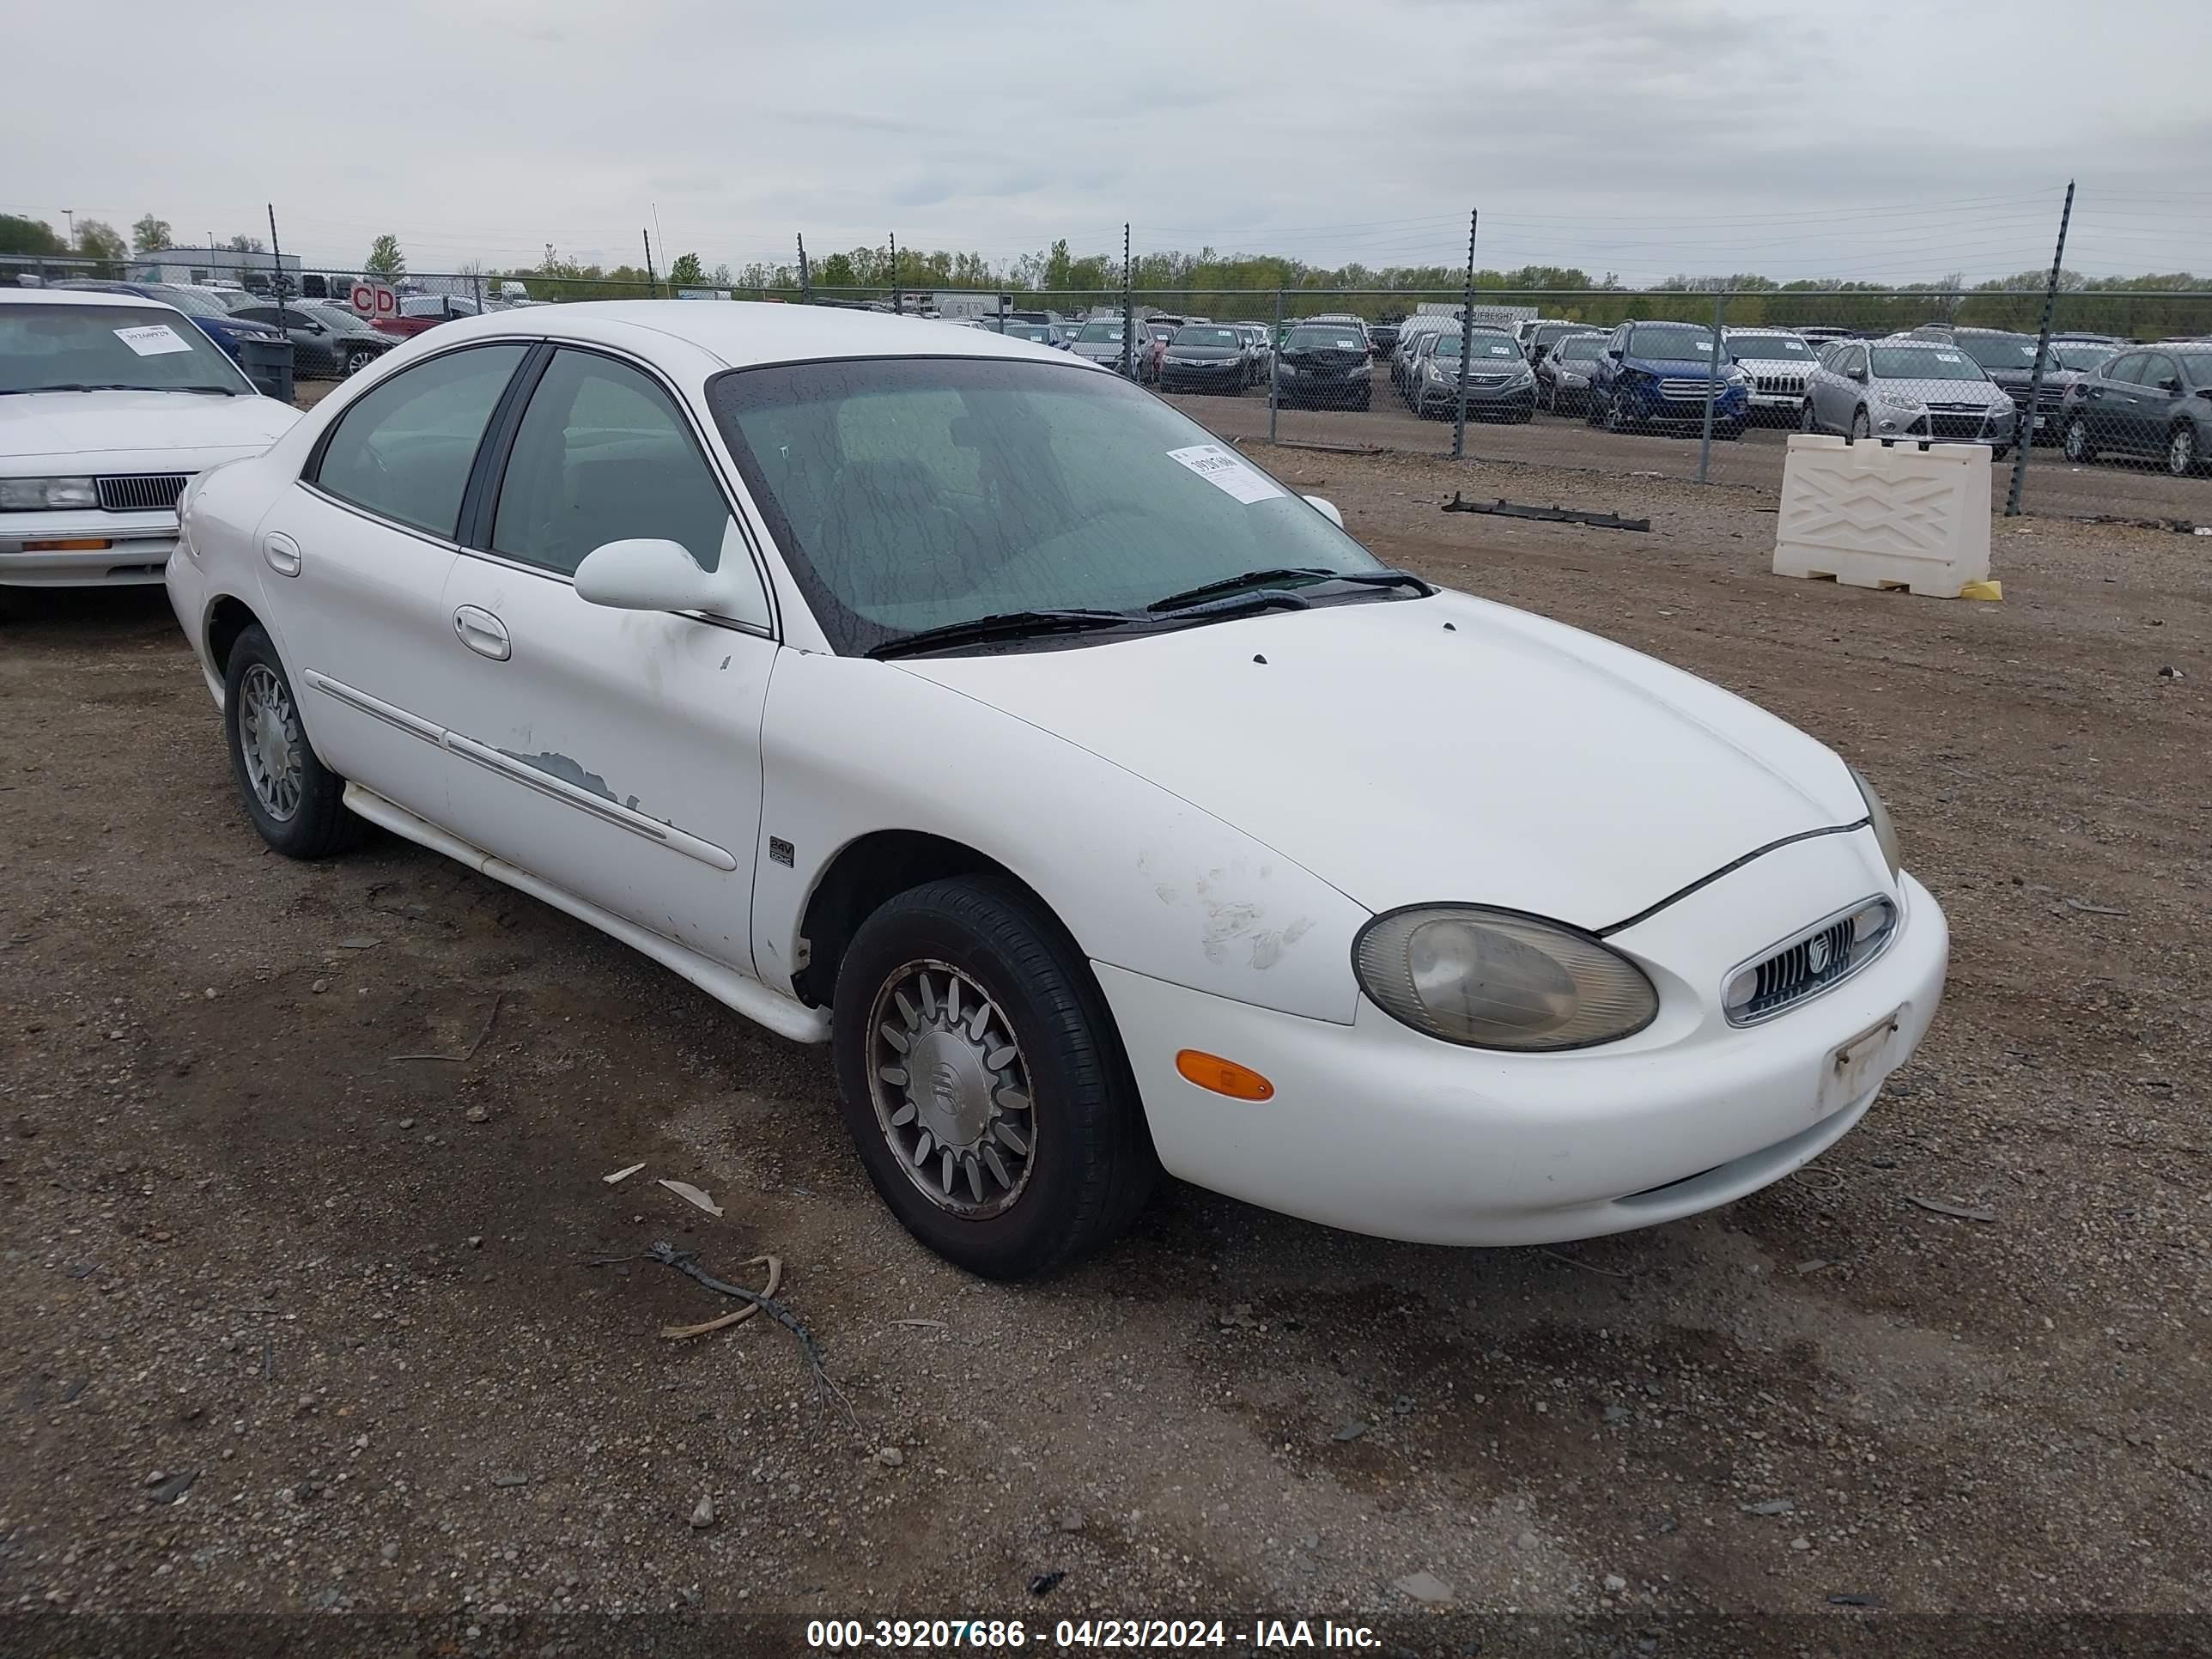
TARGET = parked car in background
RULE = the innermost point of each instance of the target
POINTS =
(2082, 355)
(1324, 365)
(1019, 328)
(1817, 333)
(1260, 351)
(210, 315)
(1778, 362)
(1383, 336)
(1907, 387)
(1660, 374)
(109, 404)
(1563, 371)
(1207, 357)
(419, 311)
(1621, 950)
(328, 341)
(1500, 385)
(2009, 360)
(2152, 401)
(1099, 341)
(1157, 332)
(1535, 337)
(1411, 333)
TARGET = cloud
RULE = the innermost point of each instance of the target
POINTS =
(1894, 142)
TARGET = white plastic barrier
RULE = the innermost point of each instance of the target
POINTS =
(1877, 515)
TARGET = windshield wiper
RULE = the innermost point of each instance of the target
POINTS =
(115, 385)
(1310, 573)
(1003, 625)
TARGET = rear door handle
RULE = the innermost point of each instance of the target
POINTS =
(482, 633)
(281, 554)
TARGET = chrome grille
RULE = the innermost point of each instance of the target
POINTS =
(1694, 389)
(1793, 384)
(1825, 954)
(140, 492)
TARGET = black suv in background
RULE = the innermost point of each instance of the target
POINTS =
(1384, 337)
(2009, 360)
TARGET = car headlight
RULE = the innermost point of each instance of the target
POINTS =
(1897, 400)
(1496, 979)
(42, 495)
(1884, 832)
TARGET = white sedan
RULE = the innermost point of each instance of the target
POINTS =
(1103, 804)
(108, 405)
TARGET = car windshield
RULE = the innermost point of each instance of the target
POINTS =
(1580, 348)
(1770, 348)
(1929, 363)
(912, 493)
(1207, 337)
(1999, 350)
(1485, 345)
(344, 318)
(1100, 334)
(142, 348)
(1331, 338)
(1676, 343)
(2083, 355)
(1027, 331)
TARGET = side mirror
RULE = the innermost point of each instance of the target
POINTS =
(651, 573)
(2170, 384)
(1326, 509)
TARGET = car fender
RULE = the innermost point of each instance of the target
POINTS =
(1141, 878)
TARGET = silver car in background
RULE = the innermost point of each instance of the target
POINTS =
(1904, 387)
(1099, 341)
(1778, 362)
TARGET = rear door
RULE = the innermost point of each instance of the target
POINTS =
(359, 549)
(2157, 396)
(614, 753)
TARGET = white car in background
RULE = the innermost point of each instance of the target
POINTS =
(1778, 362)
(110, 405)
(933, 695)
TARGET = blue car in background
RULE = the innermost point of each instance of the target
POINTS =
(1659, 374)
(213, 317)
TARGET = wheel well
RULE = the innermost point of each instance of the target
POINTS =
(226, 622)
(876, 867)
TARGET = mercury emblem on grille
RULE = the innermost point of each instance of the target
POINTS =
(1816, 953)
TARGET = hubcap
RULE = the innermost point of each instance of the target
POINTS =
(2181, 453)
(359, 361)
(950, 1090)
(269, 741)
(2076, 442)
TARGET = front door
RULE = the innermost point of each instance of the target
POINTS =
(357, 554)
(613, 753)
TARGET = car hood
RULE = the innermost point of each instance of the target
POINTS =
(1410, 751)
(1671, 368)
(122, 423)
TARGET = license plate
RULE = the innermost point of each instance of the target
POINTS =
(1858, 1066)
(2039, 422)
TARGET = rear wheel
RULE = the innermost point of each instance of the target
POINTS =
(984, 1082)
(296, 803)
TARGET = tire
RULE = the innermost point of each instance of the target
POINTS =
(1861, 426)
(1088, 1163)
(1616, 417)
(1807, 419)
(2182, 455)
(1999, 452)
(2079, 447)
(296, 804)
(357, 359)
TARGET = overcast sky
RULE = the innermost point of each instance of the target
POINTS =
(1868, 139)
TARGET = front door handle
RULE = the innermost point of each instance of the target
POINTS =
(482, 633)
(281, 554)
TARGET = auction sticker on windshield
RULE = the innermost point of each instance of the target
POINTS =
(156, 340)
(1225, 471)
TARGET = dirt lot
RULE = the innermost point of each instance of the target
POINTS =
(345, 1295)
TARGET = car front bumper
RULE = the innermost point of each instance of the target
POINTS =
(113, 549)
(1214, 377)
(1378, 1129)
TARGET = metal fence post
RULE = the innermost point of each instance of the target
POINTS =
(476, 287)
(1129, 311)
(805, 277)
(2023, 429)
(1275, 366)
(1713, 388)
(1466, 338)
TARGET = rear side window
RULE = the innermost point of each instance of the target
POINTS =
(602, 455)
(2128, 370)
(403, 450)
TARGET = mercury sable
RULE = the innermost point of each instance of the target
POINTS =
(1101, 803)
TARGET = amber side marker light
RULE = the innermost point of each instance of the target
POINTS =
(1224, 1077)
(78, 546)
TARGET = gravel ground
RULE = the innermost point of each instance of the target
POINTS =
(287, 1322)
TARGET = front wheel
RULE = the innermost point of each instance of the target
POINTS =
(2080, 448)
(296, 803)
(1616, 414)
(1861, 427)
(357, 359)
(2181, 456)
(983, 1081)
(1806, 421)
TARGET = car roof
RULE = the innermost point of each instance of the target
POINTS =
(78, 297)
(746, 333)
